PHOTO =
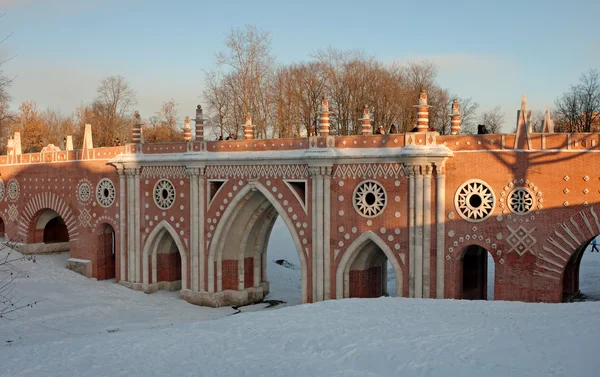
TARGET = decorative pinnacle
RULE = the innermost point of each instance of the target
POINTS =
(366, 113)
(324, 105)
(248, 120)
(524, 103)
(455, 107)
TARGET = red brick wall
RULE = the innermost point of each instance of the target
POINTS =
(248, 272)
(230, 274)
(169, 266)
(366, 283)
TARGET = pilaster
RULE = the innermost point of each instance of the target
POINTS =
(440, 193)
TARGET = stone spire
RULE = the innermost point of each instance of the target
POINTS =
(548, 126)
(199, 124)
(187, 131)
(248, 128)
(366, 122)
(324, 117)
(422, 113)
(523, 126)
(136, 132)
(455, 118)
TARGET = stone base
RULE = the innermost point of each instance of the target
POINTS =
(227, 297)
(43, 248)
(151, 288)
(81, 266)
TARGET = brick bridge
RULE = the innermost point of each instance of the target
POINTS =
(196, 216)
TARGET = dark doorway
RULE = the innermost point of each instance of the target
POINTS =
(474, 279)
(108, 245)
(56, 231)
(1, 228)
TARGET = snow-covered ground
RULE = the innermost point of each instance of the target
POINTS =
(83, 327)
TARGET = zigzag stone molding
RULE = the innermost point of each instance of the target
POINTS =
(48, 200)
(256, 171)
(566, 238)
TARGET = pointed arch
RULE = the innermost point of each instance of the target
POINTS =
(151, 248)
(223, 228)
(343, 269)
(47, 200)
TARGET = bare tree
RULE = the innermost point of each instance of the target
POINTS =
(10, 302)
(113, 106)
(493, 119)
(578, 110)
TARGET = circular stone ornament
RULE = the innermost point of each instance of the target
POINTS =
(520, 201)
(474, 200)
(13, 189)
(105, 192)
(369, 199)
(164, 194)
(84, 192)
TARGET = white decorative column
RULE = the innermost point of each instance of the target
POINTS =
(122, 215)
(130, 236)
(201, 205)
(193, 176)
(327, 170)
(440, 193)
(136, 229)
(418, 232)
(411, 231)
(426, 170)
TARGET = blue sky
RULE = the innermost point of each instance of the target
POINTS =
(493, 52)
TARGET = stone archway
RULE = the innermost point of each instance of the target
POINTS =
(46, 201)
(571, 273)
(164, 263)
(236, 257)
(2, 228)
(367, 251)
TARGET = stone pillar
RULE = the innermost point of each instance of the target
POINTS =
(418, 229)
(122, 216)
(248, 128)
(194, 270)
(187, 131)
(136, 131)
(422, 113)
(136, 224)
(69, 145)
(324, 118)
(201, 204)
(411, 231)
(321, 218)
(427, 171)
(199, 124)
(326, 171)
(130, 226)
(455, 118)
(366, 122)
(440, 213)
(548, 126)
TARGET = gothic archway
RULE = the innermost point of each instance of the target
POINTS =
(164, 263)
(237, 253)
(366, 256)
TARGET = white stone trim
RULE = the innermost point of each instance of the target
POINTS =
(221, 230)
(159, 187)
(343, 269)
(156, 235)
(369, 187)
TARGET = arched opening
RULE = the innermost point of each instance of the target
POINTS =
(281, 266)
(477, 274)
(165, 263)
(368, 272)
(55, 231)
(240, 246)
(582, 273)
(107, 252)
(364, 271)
(48, 233)
(1, 228)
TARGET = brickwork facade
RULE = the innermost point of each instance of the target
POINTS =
(197, 215)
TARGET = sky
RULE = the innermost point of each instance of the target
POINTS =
(491, 51)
